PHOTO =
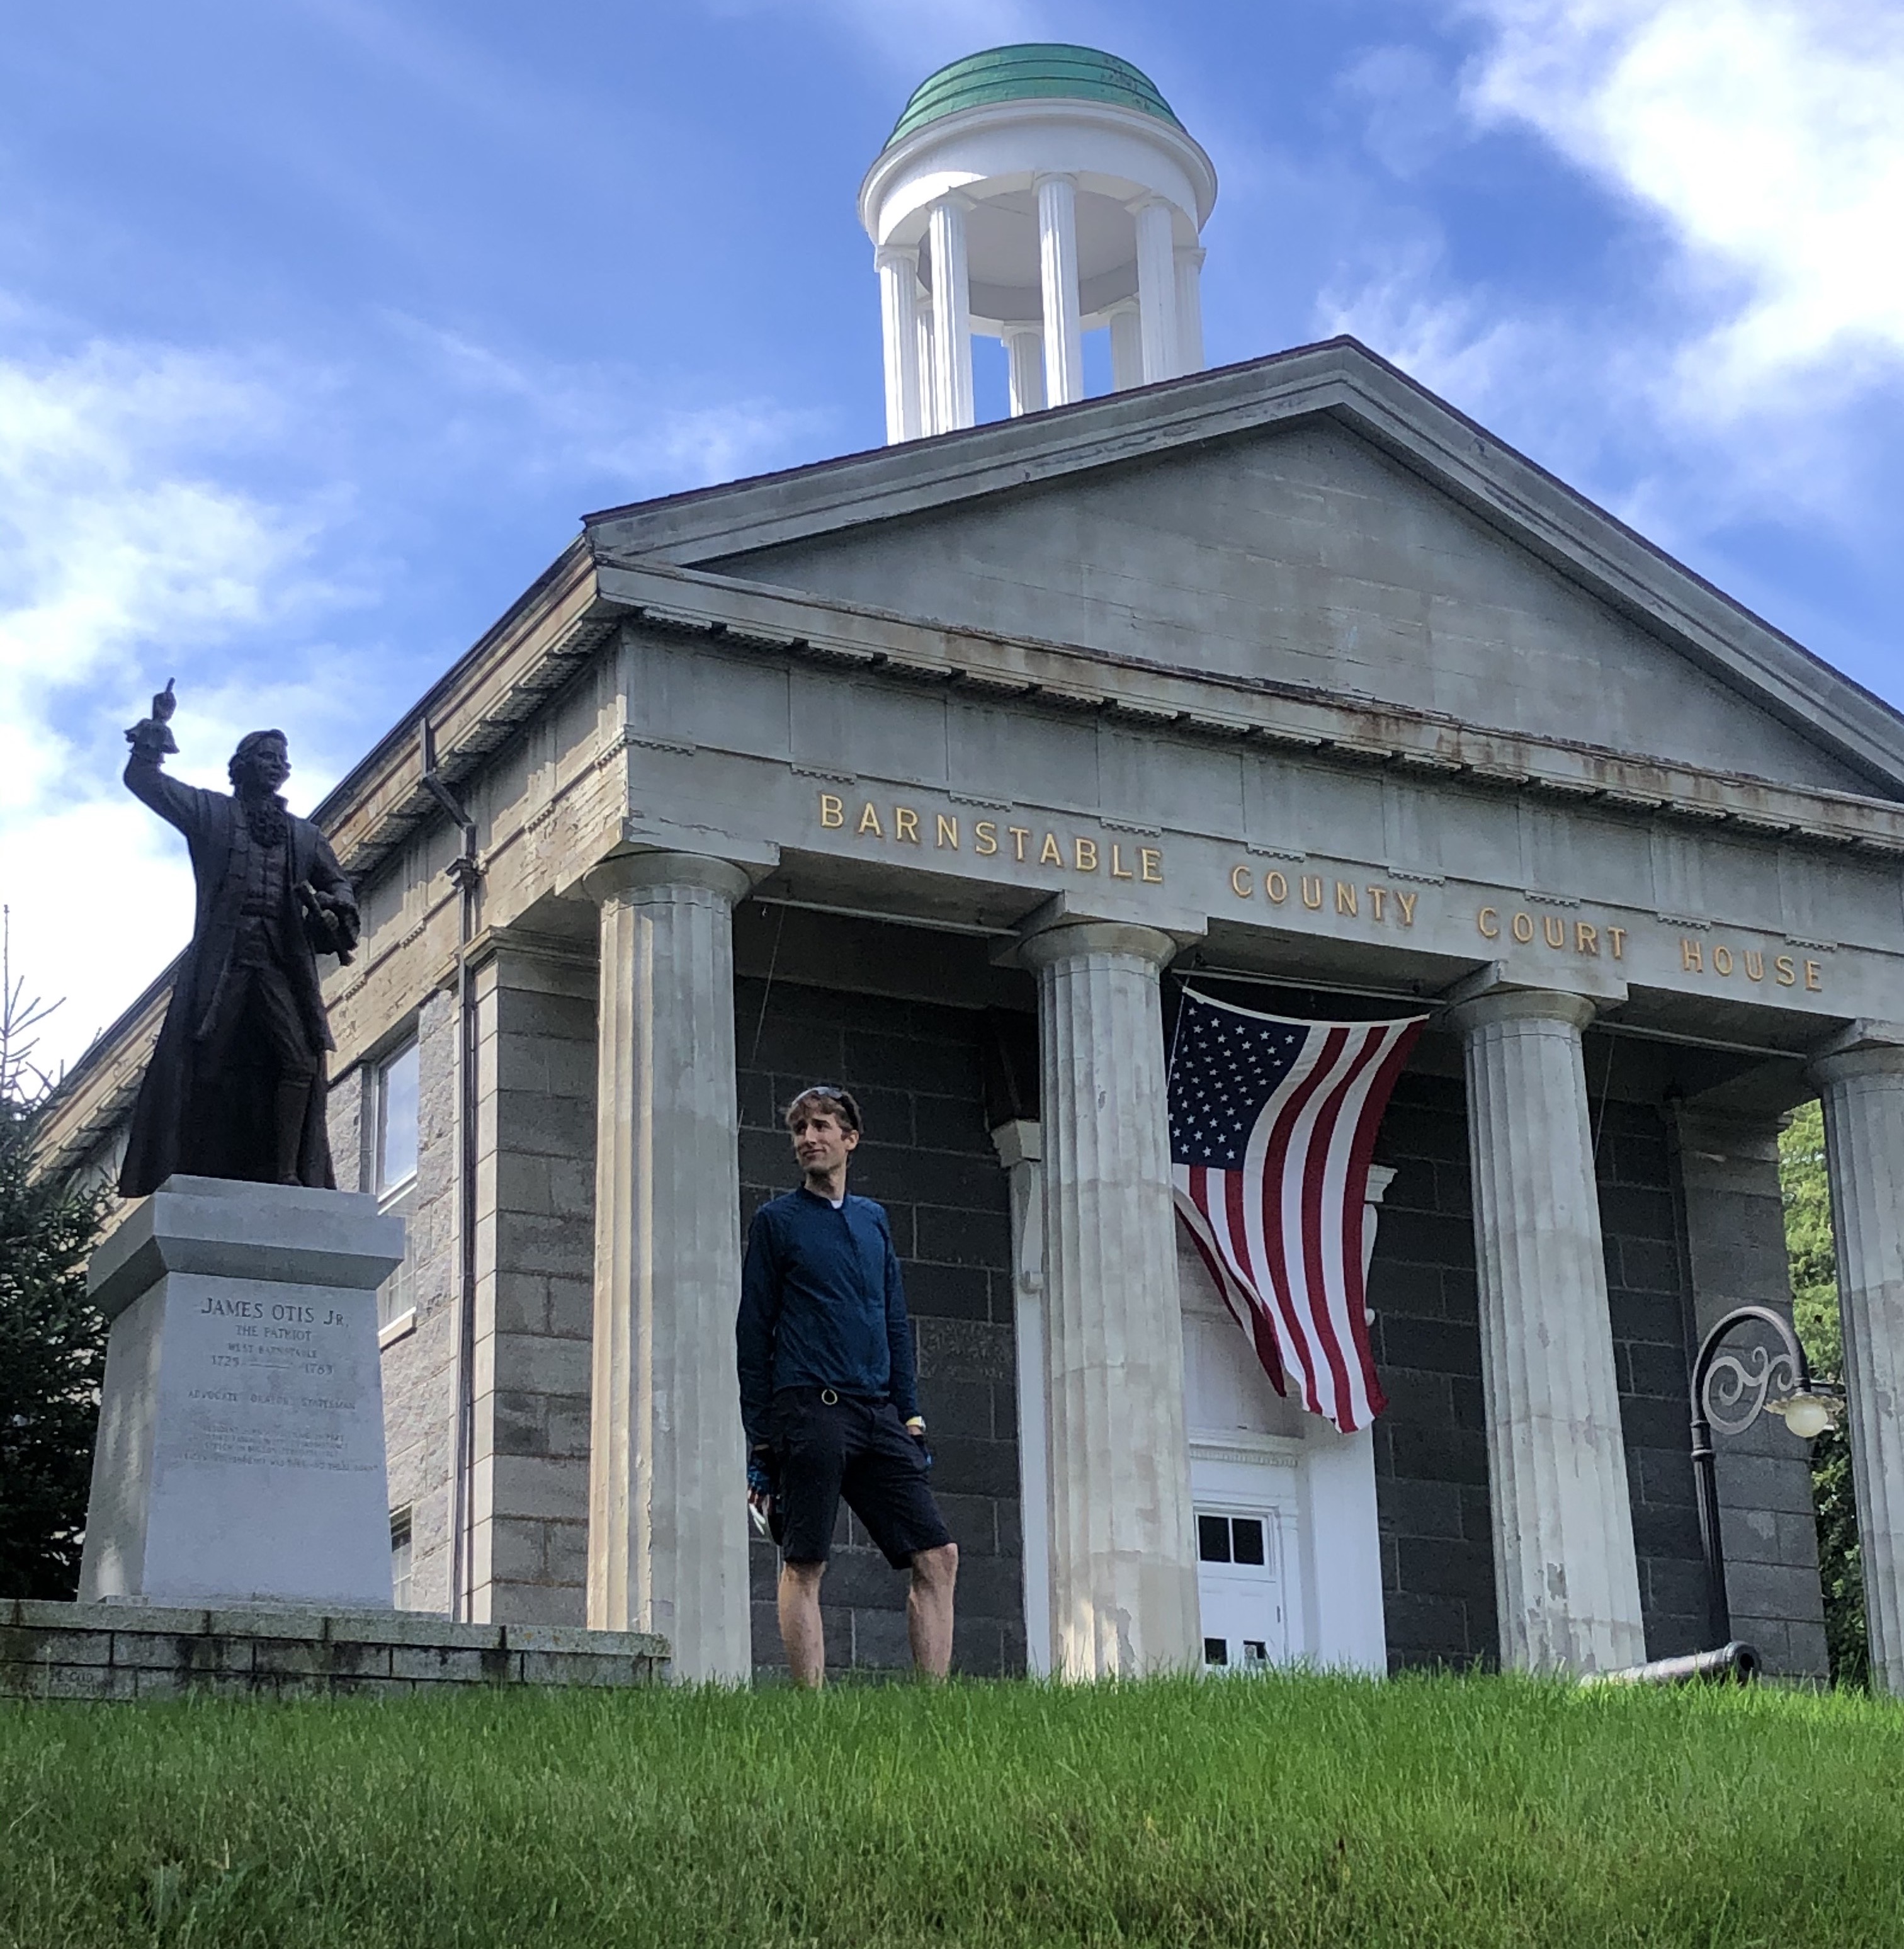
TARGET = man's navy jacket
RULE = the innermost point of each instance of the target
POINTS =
(821, 1305)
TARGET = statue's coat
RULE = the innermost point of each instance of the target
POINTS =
(167, 1133)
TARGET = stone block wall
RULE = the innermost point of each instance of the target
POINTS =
(1431, 1445)
(535, 1275)
(419, 1366)
(914, 1068)
(1735, 1246)
(116, 1651)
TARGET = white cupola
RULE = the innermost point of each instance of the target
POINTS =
(1034, 194)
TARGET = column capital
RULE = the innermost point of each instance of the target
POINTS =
(1862, 1048)
(628, 873)
(1038, 176)
(896, 254)
(1491, 994)
(1069, 940)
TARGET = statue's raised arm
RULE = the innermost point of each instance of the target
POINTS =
(235, 1087)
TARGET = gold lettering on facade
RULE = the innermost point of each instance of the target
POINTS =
(1240, 882)
(1555, 929)
(948, 832)
(832, 812)
(1754, 964)
(1049, 854)
(1119, 871)
(905, 824)
(1345, 898)
(1787, 975)
(1312, 901)
(1489, 920)
(1814, 977)
(1020, 834)
(1406, 903)
(1617, 938)
(1276, 888)
(1522, 928)
(1692, 957)
(1150, 864)
(1376, 895)
(869, 822)
(1586, 940)
(1722, 960)
(1084, 855)
(985, 839)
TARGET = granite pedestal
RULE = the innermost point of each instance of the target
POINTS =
(241, 1451)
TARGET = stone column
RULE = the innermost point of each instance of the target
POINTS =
(899, 312)
(1862, 1089)
(667, 1515)
(1564, 1569)
(1021, 1148)
(1126, 345)
(1057, 273)
(1024, 350)
(1190, 309)
(951, 314)
(1123, 1551)
(1156, 290)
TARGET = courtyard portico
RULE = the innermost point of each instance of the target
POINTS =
(937, 772)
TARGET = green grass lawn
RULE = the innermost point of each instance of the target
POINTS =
(1274, 1812)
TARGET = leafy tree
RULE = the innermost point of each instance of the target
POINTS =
(52, 1343)
(1815, 1306)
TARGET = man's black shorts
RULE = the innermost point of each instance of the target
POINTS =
(827, 1445)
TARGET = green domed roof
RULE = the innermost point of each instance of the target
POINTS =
(1026, 71)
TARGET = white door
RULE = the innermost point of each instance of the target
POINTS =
(1240, 1588)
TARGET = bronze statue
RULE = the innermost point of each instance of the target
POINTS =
(235, 1087)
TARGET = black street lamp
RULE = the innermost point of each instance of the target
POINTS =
(1729, 1393)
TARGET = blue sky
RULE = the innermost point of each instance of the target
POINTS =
(321, 321)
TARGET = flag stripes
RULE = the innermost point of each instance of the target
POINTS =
(1272, 1127)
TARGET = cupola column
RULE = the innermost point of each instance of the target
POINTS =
(1156, 290)
(1126, 345)
(1057, 270)
(1190, 308)
(951, 314)
(898, 304)
(1024, 350)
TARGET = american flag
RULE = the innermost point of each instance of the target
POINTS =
(1272, 1123)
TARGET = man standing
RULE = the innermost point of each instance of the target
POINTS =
(235, 1086)
(829, 1393)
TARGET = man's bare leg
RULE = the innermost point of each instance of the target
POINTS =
(929, 1610)
(801, 1634)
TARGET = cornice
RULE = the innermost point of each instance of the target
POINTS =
(752, 619)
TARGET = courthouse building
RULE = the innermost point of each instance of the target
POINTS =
(937, 772)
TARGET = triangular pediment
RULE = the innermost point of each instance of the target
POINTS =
(1315, 519)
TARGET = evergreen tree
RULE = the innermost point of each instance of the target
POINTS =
(1815, 1306)
(52, 1343)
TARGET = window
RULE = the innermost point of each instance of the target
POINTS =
(400, 1558)
(1230, 1539)
(398, 1078)
(397, 1088)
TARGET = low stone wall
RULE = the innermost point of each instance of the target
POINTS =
(137, 1651)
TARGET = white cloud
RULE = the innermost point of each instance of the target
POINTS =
(1767, 134)
(123, 558)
